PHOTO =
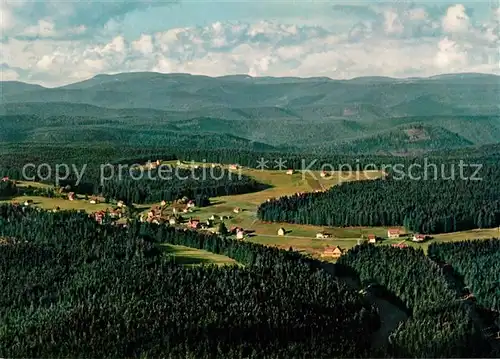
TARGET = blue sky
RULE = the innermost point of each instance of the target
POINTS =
(55, 42)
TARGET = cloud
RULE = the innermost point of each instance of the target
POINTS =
(7, 74)
(65, 19)
(456, 19)
(393, 40)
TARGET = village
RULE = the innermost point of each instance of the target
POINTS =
(235, 216)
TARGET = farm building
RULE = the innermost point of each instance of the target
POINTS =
(333, 252)
(237, 210)
(99, 216)
(281, 231)
(418, 237)
(372, 238)
(400, 245)
(240, 234)
(323, 235)
(120, 204)
(194, 223)
(290, 172)
(234, 167)
(393, 233)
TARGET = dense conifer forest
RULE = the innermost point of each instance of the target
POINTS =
(73, 288)
(440, 325)
(156, 185)
(110, 291)
(478, 263)
(429, 206)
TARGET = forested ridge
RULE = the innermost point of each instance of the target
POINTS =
(106, 291)
(440, 325)
(429, 206)
(478, 262)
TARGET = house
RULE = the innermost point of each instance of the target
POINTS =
(99, 216)
(322, 235)
(120, 204)
(400, 245)
(5, 179)
(190, 204)
(212, 217)
(418, 237)
(393, 233)
(163, 203)
(237, 210)
(323, 174)
(281, 231)
(185, 210)
(179, 162)
(115, 213)
(158, 162)
(234, 167)
(172, 221)
(71, 196)
(28, 202)
(209, 222)
(194, 223)
(333, 252)
(94, 200)
(233, 230)
(290, 172)
(372, 238)
(240, 234)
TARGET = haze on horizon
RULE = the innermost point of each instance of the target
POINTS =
(54, 43)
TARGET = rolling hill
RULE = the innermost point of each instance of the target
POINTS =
(358, 115)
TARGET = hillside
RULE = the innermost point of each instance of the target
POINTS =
(151, 108)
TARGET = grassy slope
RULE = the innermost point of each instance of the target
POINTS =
(191, 256)
(299, 237)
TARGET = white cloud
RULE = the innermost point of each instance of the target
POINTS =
(456, 19)
(6, 18)
(144, 44)
(402, 42)
(8, 75)
(44, 28)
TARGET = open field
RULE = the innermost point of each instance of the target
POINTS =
(62, 203)
(300, 237)
(191, 256)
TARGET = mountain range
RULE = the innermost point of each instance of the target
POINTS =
(361, 115)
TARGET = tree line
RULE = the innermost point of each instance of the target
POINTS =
(424, 206)
(109, 291)
(440, 324)
(478, 263)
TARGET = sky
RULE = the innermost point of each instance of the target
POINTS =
(56, 42)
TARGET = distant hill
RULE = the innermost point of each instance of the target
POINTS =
(347, 115)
